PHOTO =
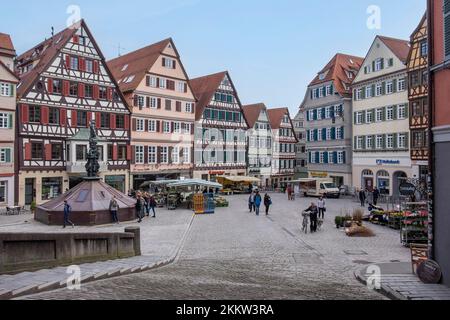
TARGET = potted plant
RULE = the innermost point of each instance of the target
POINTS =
(348, 221)
(338, 221)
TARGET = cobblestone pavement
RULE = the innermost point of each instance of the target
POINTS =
(237, 255)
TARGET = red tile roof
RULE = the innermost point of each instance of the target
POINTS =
(6, 44)
(276, 116)
(204, 89)
(336, 70)
(252, 112)
(399, 47)
(41, 56)
(139, 63)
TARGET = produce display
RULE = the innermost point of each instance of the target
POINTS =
(221, 202)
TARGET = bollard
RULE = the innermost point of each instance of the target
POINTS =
(137, 239)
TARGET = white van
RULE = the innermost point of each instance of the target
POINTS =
(318, 187)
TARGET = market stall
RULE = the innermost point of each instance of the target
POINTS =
(203, 200)
(237, 184)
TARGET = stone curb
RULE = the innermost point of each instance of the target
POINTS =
(386, 291)
(103, 275)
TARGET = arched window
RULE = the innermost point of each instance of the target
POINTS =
(383, 173)
(367, 173)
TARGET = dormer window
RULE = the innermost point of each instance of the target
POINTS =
(125, 67)
(322, 76)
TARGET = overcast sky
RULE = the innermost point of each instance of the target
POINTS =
(272, 48)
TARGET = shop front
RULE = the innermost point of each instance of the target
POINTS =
(117, 182)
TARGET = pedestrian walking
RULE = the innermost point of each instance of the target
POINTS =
(140, 208)
(376, 195)
(67, 212)
(258, 201)
(251, 202)
(114, 209)
(289, 192)
(322, 207)
(267, 203)
(313, 216)
(362, 197)
(152, 205)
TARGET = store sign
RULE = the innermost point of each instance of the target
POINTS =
(217, 173)
(407, 189)
(429, 272)
(381, 162)
(319, 174)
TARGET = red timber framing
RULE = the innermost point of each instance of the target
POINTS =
(71, 86)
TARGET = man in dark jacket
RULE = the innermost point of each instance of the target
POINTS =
(376, 195)
(362, 197)
(313, 216)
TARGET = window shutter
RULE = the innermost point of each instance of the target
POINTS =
(307, 135)
(112, 120)
(146, 154)
(342, 133)
(158, 126)
(193, 108)
(74, 119)
(185, 87)
(127, 122)
(317, 157)
(394, 85)
(81, 64)
(109, 94)
(324, 134)
(96, 92)
(50, 86)
(407, 140)
(27, 155)
(63, 117)
(133, 154)
(446, 39)
(48, 152)
(147, 102)
(170, 155)
(67, 61)
(157, 82)
(95, 66)
(333, 133)
(383, 118)
(395, 112)
(174, 64)
(344, 157)
(178, 106)
(115, 156)
(307, 116)
(134, 126)
(66, 86)
(373, 65)
(383, 88)
(355, 143)
(159, 103)
(10, 121)
(129, 153)
(44, 115)
(8, 155)
(147, 81)
(382, 63)
(98, 119)
(81, 90)
(163, 62)
(355, 118)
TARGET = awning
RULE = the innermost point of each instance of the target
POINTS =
(157, 183)
(195, 182)
(240, 179)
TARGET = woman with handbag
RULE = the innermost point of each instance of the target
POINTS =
(321, 204)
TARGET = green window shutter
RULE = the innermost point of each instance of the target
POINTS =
(395, 110)
(10, 121)
(383, 88)
(325, 157)
(374, 88)
(13, 94)
(394, 85)
(382, 63)
(332, 89)
(384, 142)
(363, 145)
(407, 140)
(354, 142)
(395, 140)
(354, 117)
(363, 93)
(342, 133)
(384, 114)
(8, 155)
(373, 66)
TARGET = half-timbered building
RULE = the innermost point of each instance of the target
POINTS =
(65, 84)
(284, 143)
(220, 130)
(156, 85)
(8, 83)
(417, 65)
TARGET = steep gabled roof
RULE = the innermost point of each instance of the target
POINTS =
(139, 63)
(6, 45)
(276, 116)
(398, 46)
(9, 71)
(204, 89)
(337, 71)
(252, 112)
(41, 56)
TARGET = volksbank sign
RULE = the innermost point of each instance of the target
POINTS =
(381, 162)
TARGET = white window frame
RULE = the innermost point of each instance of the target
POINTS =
(328, 134)
(177, 127)
(176, 155)
(164, 155)
(379, 142)
(390, 87)
(360, 117)
(368, 92)
(401, 84)
(401, 141)
(186, 155)
(321, 157)
(339, 133)
(328, 112)
(140, 125)
(378, 89)
(369, 142)
(390, 113)
(390, 141)
(369, 116)
(5, 89)
(139, 155)
(151, 125)
(378, 115)
(340, 157)
(162, 83)
(166, 127)
(401, 111)
(180, 86)
(152, 155)
(378, 64)
(153, 81)
(188, 107)
(153, 103)
(4, 121)
(319, 114)
(359, 143)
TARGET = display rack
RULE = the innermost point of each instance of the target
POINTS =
(414, 225)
